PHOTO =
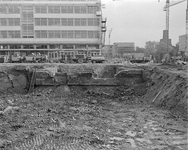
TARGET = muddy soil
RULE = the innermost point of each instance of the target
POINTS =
(84, 118)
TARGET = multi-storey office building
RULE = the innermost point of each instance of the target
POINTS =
(51, 26)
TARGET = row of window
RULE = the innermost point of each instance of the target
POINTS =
(66, 34)
(83, 9)
(10, 9)
(53, 34)
(9, 34)
(9, 21)
(53, 22)
(65, 46)
(67, 22)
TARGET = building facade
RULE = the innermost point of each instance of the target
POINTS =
(183, 44)
(123, 49)
(55, 27)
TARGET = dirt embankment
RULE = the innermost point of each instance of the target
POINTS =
(167, 88)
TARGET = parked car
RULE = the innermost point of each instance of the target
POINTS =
(98, 59)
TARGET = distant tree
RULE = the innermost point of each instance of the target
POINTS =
(150, 48)
(160, 52)
(140, 49)
(175, 50)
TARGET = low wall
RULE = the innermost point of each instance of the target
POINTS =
(18, 76)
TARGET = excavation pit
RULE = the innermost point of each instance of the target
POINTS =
(93, 107)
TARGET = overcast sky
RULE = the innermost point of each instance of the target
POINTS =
(139, 21)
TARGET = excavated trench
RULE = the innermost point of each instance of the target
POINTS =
(77, 107)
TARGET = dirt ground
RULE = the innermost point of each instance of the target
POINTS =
(88, 118)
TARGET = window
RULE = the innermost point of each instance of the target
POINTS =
(43, 9)
(3, 9)
(10, 21)
(54, 21)
(69, 9)
(64, 21)
(77, 34)
(77, 9)
(77, 21)
(13, 34)
(70, 34)
(70, 21)
(91, 9)
(80, 9)
(30, 27)
(66, 9)
(17, 34)
(37, 9)
(50, 21)
(43, 34)
(17, 21)
(43, 22)
(95, 21)
(37, 21)
(51, 34)
(16, 9)
(3, 22)
(56, 9)
(90, 22)
(28, 31)
(63, 34)
(37, 34)
(83, 34)
(50, 9)
(83, 9)
(83, 22)
(54, 34)
(13, 9)
(96, 34)
(57, 21)
(63, 9)
(57, 34)
(3, 34)
(67, 21)
(90, 34)
(10, 9)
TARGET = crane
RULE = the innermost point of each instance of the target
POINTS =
(167, 9)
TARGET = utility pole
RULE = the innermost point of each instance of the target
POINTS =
(110, 31)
